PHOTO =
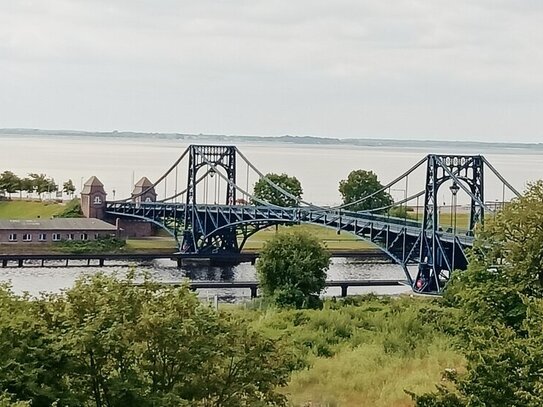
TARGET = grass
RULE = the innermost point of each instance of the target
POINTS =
(363, 351)
(333, 241)
(152, 243)
(29, 209)
(365, 376)
(462, 219)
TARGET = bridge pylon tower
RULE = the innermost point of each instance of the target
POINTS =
(439, 256)
(211, 159)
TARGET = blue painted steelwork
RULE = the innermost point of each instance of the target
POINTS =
(224, 228)
(398, 238)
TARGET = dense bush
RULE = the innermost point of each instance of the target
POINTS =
(108, 342)
(500, 303)
(72, 210)
(101, 245)
(292, 270)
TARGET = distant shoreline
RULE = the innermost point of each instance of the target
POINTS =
(287, 139)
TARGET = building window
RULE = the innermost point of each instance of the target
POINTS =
(56, 237)
(70, 236)
(97, 235)
(12, 237)
(27, 237)
(42, 237)
(97, 200)
(84, 236)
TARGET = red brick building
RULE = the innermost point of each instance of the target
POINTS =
(37, 231)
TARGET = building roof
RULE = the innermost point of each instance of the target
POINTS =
(57, 224)
(93, 184)
(143, 185)
(144, 182)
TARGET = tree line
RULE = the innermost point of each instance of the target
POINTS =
(357, 185)
(11, 183)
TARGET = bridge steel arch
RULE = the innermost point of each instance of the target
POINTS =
(399, 239)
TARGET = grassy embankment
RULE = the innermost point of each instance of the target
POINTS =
(30, 209)
(363, 352)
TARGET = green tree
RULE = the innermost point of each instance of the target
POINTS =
(150, 346)
(362, 183)
(112, 342)
(9, 182)
(500, 298)
(27, 185)
(268, 193)
(68, 187)
(292, 269)
(31, 364)
(42, 183)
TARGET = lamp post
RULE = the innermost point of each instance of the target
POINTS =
(454, 190)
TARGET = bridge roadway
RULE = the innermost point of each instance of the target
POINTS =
(365, 225)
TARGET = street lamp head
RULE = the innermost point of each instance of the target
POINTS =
(212, 172)
(454, 188)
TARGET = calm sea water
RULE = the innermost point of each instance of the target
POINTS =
(118, 162)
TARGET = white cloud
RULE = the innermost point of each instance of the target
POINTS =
(406, 69)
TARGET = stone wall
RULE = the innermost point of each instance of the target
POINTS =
(134, 228)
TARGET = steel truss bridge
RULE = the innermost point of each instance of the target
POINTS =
(225, 224)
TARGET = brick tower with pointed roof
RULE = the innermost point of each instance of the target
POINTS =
(144, 191)
(93, 199)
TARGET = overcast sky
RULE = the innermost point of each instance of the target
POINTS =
(406, 69)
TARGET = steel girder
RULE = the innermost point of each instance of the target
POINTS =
(438, 257)
(400, 239)
(201, 156)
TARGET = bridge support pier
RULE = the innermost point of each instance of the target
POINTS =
(20, 263)
(101, 262)
(4, 263)
(344, 289)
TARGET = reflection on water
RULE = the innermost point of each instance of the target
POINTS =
(54, 279)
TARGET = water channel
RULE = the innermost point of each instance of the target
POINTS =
(33, 279)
